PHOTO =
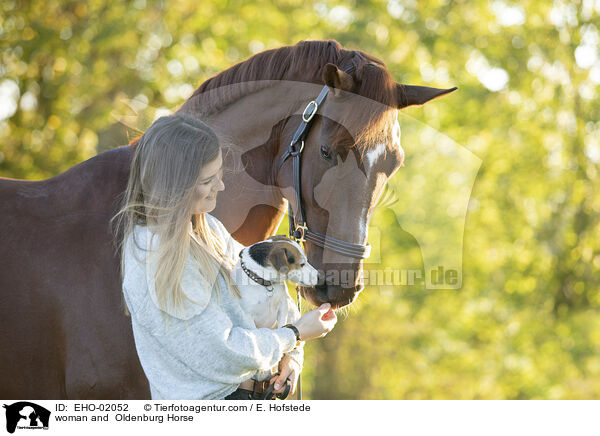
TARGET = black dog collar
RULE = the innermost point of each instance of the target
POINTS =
(266, 283)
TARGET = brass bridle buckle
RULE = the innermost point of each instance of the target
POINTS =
(312, 105)
(296, 152)
(302, 229)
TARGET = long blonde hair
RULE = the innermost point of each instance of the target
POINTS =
(160, 193)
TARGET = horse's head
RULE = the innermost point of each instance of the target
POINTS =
(352, 150)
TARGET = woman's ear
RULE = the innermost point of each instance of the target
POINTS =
(278, 258)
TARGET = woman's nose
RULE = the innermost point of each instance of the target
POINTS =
(220, 185)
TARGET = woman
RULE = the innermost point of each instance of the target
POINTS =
(192, 338)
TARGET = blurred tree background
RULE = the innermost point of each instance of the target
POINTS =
(525, 322)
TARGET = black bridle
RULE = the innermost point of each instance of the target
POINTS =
(298, 228)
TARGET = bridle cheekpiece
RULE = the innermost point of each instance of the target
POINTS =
(298, 228)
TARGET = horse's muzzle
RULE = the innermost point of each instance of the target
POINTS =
(335, 295)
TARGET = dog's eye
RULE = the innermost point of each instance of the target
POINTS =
(291, 260)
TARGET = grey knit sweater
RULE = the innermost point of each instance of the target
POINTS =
(211, 347)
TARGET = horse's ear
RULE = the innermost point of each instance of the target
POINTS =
(410, 95)
(336, 78)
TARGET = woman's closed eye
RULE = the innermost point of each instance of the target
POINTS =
(218, 176)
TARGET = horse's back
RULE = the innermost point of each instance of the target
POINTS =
(78, 188)
(60, 303)
(37, 214)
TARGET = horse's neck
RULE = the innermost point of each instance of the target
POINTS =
(251, 209)
(248, 120)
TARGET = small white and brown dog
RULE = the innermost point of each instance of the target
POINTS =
(261, 273)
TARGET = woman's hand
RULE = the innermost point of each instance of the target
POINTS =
(288, 368)
(316, 323)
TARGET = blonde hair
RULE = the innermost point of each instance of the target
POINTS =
(160, 194)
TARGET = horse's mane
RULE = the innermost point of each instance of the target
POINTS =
(303, 62)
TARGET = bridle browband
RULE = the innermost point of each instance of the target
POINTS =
(298, 229)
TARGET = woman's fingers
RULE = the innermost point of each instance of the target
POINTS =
(330, 314)
(316, 323)
(323, 309)
(280, 380)
(329, 320)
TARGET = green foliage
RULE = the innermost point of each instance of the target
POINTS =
(525, 322)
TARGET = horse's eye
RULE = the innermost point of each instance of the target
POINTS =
(325, 152)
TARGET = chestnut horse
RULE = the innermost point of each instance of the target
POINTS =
(63, 331)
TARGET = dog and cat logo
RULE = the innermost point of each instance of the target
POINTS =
(26, 415)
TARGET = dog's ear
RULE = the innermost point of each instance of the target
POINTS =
(278, 258)
(260, 252)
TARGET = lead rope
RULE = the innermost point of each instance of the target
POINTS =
(298, 298)
(300, 311)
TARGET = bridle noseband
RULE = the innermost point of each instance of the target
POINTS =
(298, 228)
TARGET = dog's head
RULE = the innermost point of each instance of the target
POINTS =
(286, 257)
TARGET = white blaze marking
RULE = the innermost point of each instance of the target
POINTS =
(396, 133)
(373, 156)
